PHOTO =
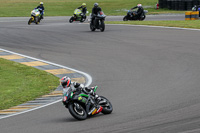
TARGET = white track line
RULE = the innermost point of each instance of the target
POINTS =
(177, 28)
(89, 80)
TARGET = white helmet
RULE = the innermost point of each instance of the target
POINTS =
(41, 3)
(139, 5)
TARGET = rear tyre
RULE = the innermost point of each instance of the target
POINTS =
(77, 111)
(106, 104)
(125, 18)
(71, 20)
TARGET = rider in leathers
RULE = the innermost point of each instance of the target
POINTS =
(78, 88)
(84, 10)
(139, 11)
(95, 11)
(41, 9)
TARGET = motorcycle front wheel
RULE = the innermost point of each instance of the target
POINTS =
(102, 26)
(92, 28)
(30, 20)
(71, 19)
(125, 18)
(106, 104)
(142, 17)
(77, 111)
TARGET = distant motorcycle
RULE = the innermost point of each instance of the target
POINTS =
(131, 15)
(35, 17)
(82, 105)
(78, 16)
(99, 19)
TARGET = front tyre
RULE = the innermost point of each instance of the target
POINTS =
(92, 28)
(30, 21)
(106, 104)
(142, 17)
(71, 20)
(125, 18)
(77, 111)
(102, 26)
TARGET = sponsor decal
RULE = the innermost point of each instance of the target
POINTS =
(64, 98)
(80, 98)
(84, 101)
(92, 111)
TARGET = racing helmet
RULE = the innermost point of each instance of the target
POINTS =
(41, 3)
(84, 5)
(65, 82)
(96, 4)
(139, 5)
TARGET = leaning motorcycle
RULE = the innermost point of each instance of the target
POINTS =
(35, 17)
(82, 105)
(99, 19)
(131, 15)
(78, 16)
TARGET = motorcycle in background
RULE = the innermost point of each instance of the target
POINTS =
(35, 17)
(131, 15)
(78, 16)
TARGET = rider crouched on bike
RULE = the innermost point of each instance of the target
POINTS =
(78, 88)
(139, 11)
(95, 11)
(84, 10)
(41, 9)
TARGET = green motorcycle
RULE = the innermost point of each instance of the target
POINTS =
(78, 16)
(82, 105)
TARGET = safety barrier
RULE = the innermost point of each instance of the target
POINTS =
(191, 15)
(195, 15)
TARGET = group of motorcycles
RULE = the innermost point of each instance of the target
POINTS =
(96, 23)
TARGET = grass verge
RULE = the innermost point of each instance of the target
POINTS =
(16, 8)
(172, 23)
(20, 83)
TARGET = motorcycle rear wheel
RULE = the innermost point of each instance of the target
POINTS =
(77, 111)
(107, 107)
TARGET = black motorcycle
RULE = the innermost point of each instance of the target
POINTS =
(82, 105)
(98, 22)
(131, 15)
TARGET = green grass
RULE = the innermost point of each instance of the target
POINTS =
(20, 83)
(172, 23)
(15, 8)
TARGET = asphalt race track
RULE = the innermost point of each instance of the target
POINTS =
(151, 75)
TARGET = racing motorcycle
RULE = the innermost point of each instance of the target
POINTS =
(99, 19)
(78, 16)
(35, 17)
(131, 15)
(81, 105)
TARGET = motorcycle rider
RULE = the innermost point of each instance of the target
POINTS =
(78, 88)
(139, 11)
(41, 9)
(84, 10)
(95, 11)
